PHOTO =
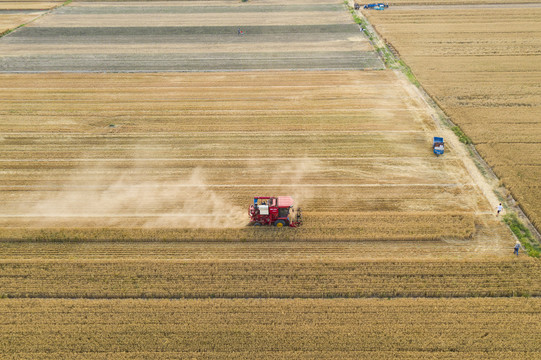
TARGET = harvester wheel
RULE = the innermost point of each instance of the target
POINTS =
(279, 223)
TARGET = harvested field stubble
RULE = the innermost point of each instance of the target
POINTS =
(284, 18)
(9, 22)
(245, 251)
(485, 76)
(29, 5)
(169, 36)
(189, 151)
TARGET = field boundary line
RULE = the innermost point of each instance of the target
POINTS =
(444, 123)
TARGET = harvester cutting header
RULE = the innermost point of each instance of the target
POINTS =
(274, 211)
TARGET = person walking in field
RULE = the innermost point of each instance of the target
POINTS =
(499, 209)
(517, 248)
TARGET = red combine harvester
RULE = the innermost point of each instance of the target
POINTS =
(268, 210)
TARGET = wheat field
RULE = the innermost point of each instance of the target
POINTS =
(168, 153)
(271, 329)
(485, 76)
(124, 195)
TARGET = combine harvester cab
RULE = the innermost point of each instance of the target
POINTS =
(276, 211)
(438, 146)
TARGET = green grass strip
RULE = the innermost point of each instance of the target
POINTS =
(461, 136)
(523, 234)
(409, 74)
(359, 21)
(386, 54)
(9, 31)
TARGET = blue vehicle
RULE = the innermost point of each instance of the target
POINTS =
(438, 146)
(376, 6)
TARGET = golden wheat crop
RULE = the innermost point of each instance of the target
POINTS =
(248, 250)
(271, 328)
(455, 3)
(129, 193)
(317, 227)
(172, 278)
(484, 75)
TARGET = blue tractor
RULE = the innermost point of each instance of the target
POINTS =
(437, 145)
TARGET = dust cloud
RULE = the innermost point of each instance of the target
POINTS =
(132, 195)
(286, 178)
(299, 172)
(117, 199)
